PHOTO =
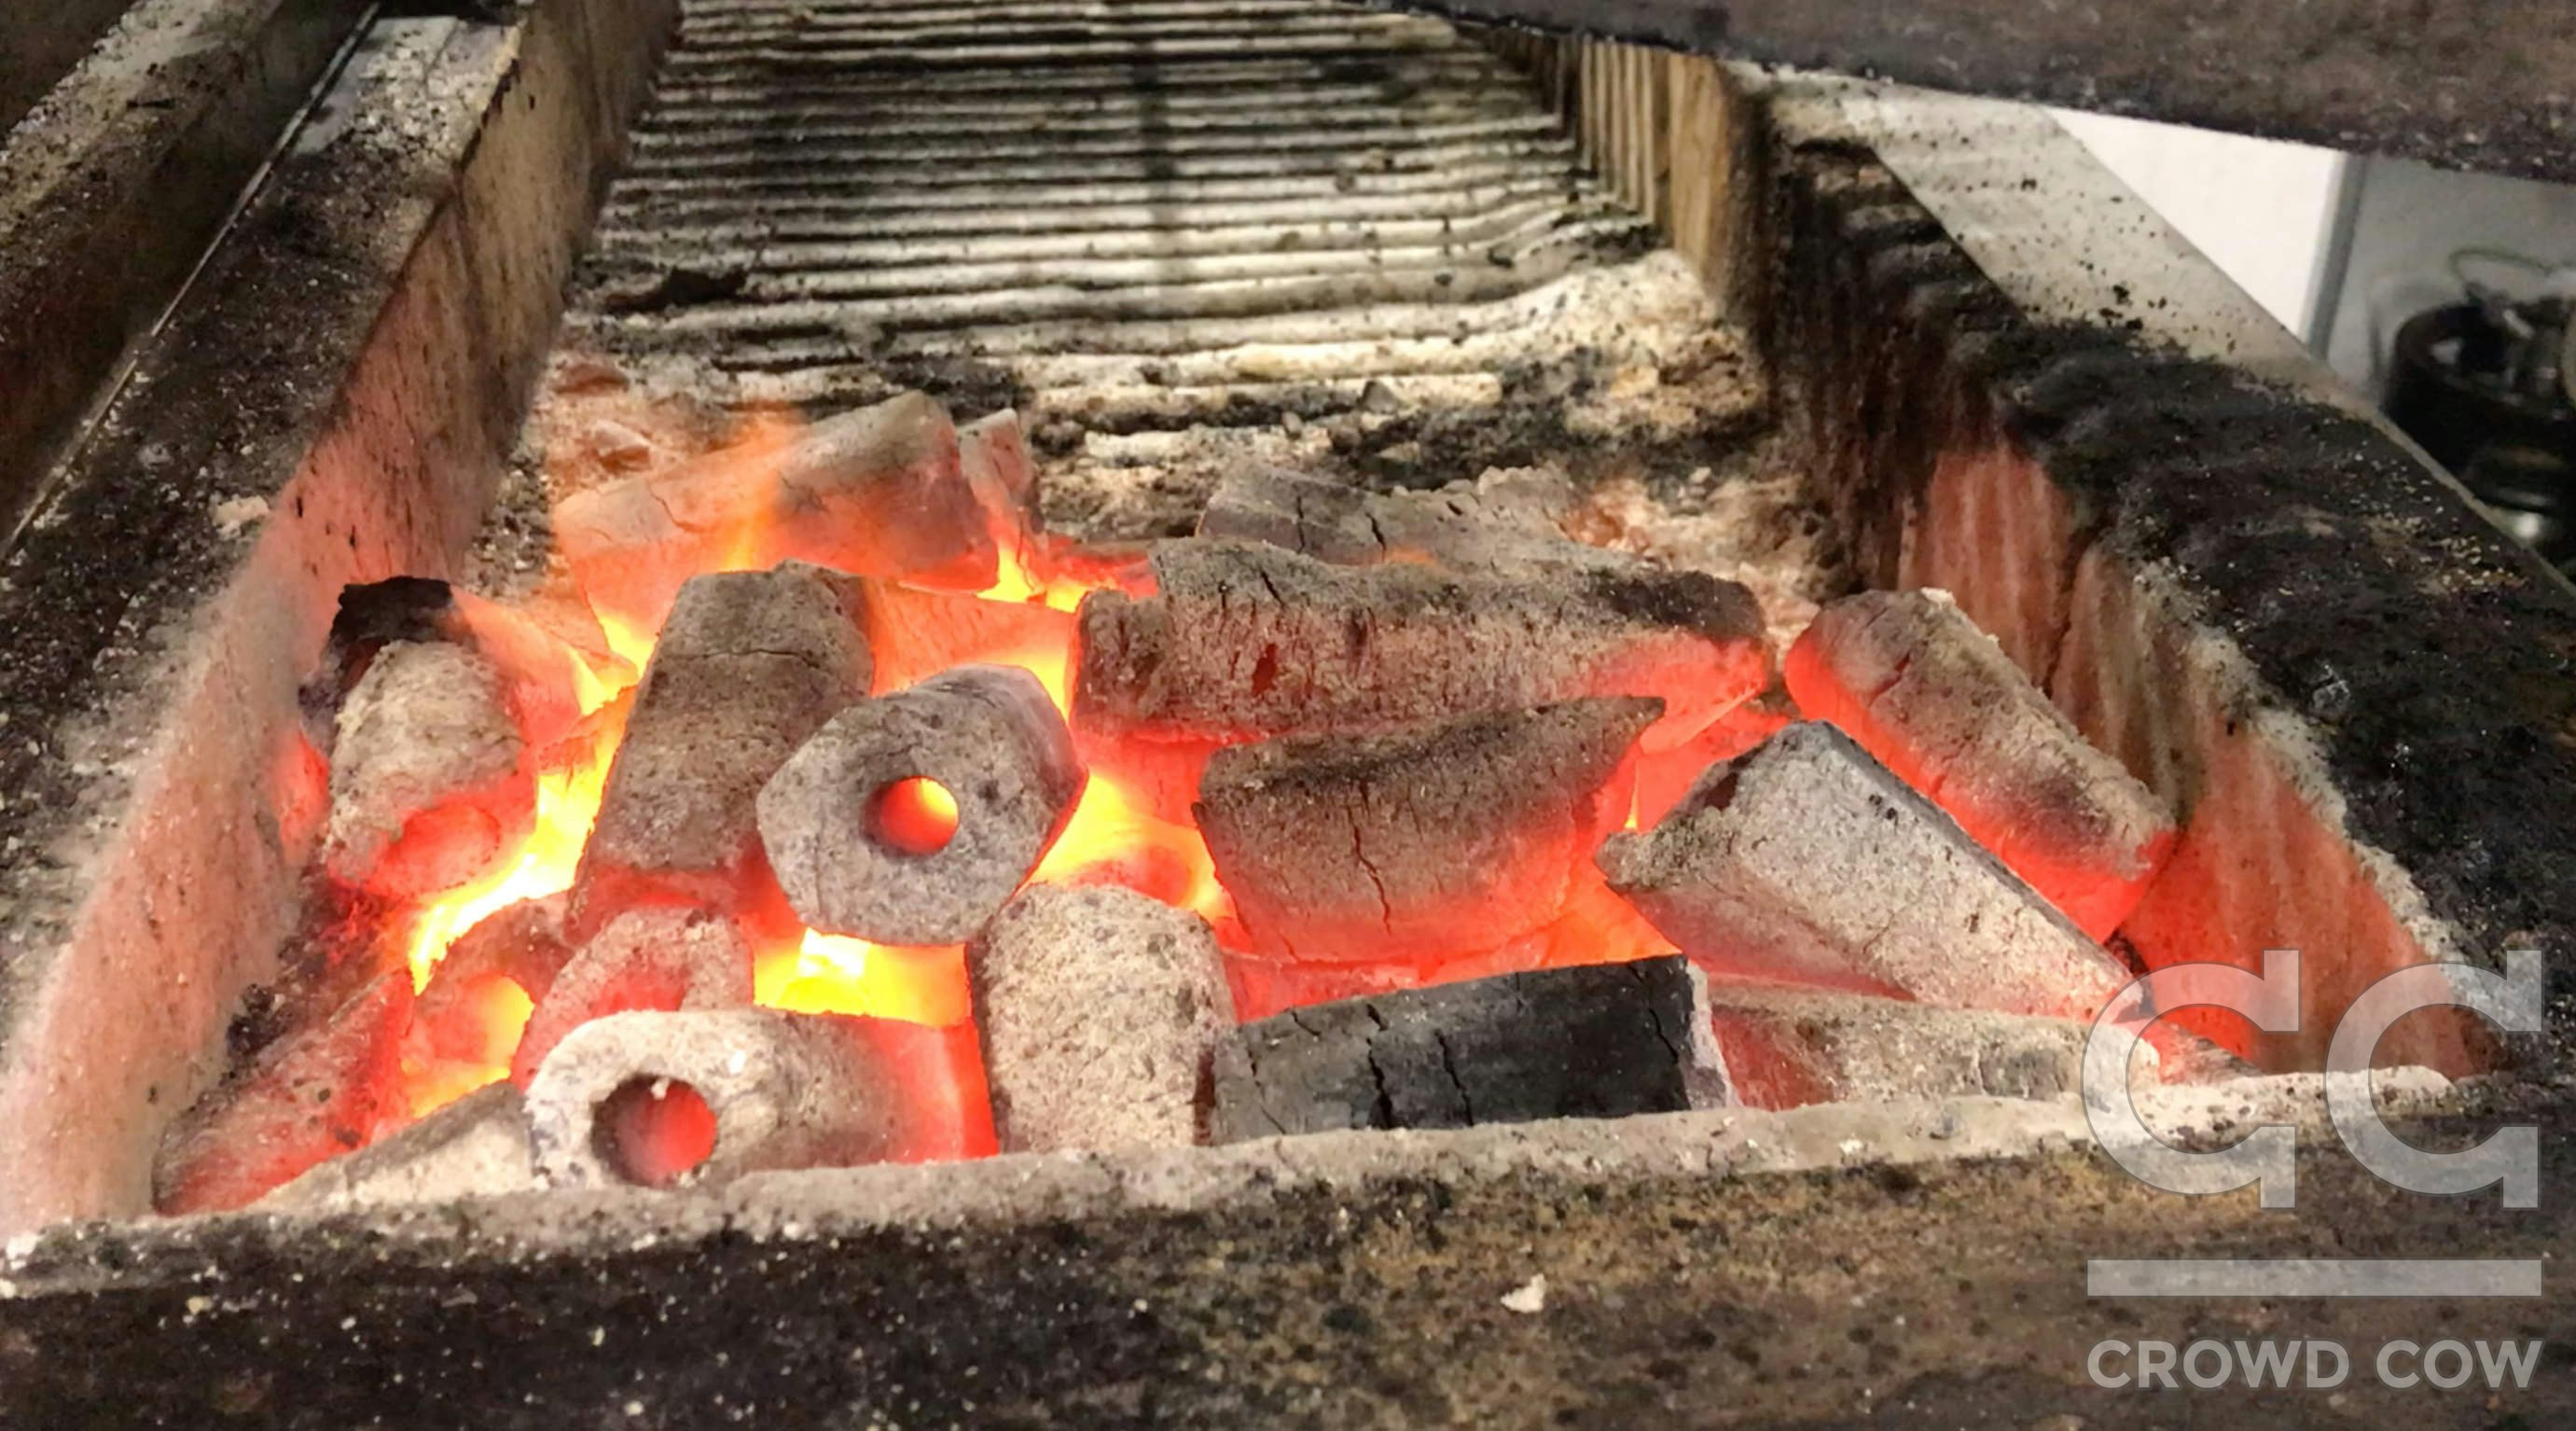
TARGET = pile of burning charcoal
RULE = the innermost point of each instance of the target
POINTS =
(827, 811)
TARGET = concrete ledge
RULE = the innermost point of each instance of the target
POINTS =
(1701, 1269)
(40, 45)
(2019, 384)
(113, 187)
(2466, 84)
(335, 407)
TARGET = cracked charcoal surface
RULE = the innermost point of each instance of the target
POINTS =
(750, 664)
(1433, 840)
(1244, 638)
(1605, 1041)
(1806, 855)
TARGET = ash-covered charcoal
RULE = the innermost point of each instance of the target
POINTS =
(1422, 843)
(1505, 523)
(993, 453)
(915, 633)
(311, 1095)
(1604, 1041)
(1786, 1047)
(521, 947)
(431, 785)
(476, 1146)
(1243, 641)
(879, 491)
(1100, 1012)
(654, 957)
(855, 860)
(701, 1098)
(1911, 678)
(1806, 860)
(750, 665)
(543, 656)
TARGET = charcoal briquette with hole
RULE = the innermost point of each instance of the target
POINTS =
(784, 1090)
(991, 738)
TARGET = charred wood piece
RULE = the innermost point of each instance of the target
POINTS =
(311, 1095)
(476, 1146)
(1245, 641)
(1806, 860)
(987, 736)
(1436, 840)
(750, 665)
(431, 785)
(1100, 1011)
(878, 491)
(1912, 679)
(700, 1098)
(1603, 1041)
(660, 958)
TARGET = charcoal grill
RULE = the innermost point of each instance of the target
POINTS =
(1251, 231)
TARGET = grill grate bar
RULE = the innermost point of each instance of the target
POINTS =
(1165, 226)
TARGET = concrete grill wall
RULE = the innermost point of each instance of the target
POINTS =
(332, 411)
(2017, 383)
(2355, 690)
(1780, 1269)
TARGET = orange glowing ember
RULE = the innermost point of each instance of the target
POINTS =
(1111, 837)
(917, 816)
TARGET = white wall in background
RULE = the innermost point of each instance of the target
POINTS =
(2259, 208)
